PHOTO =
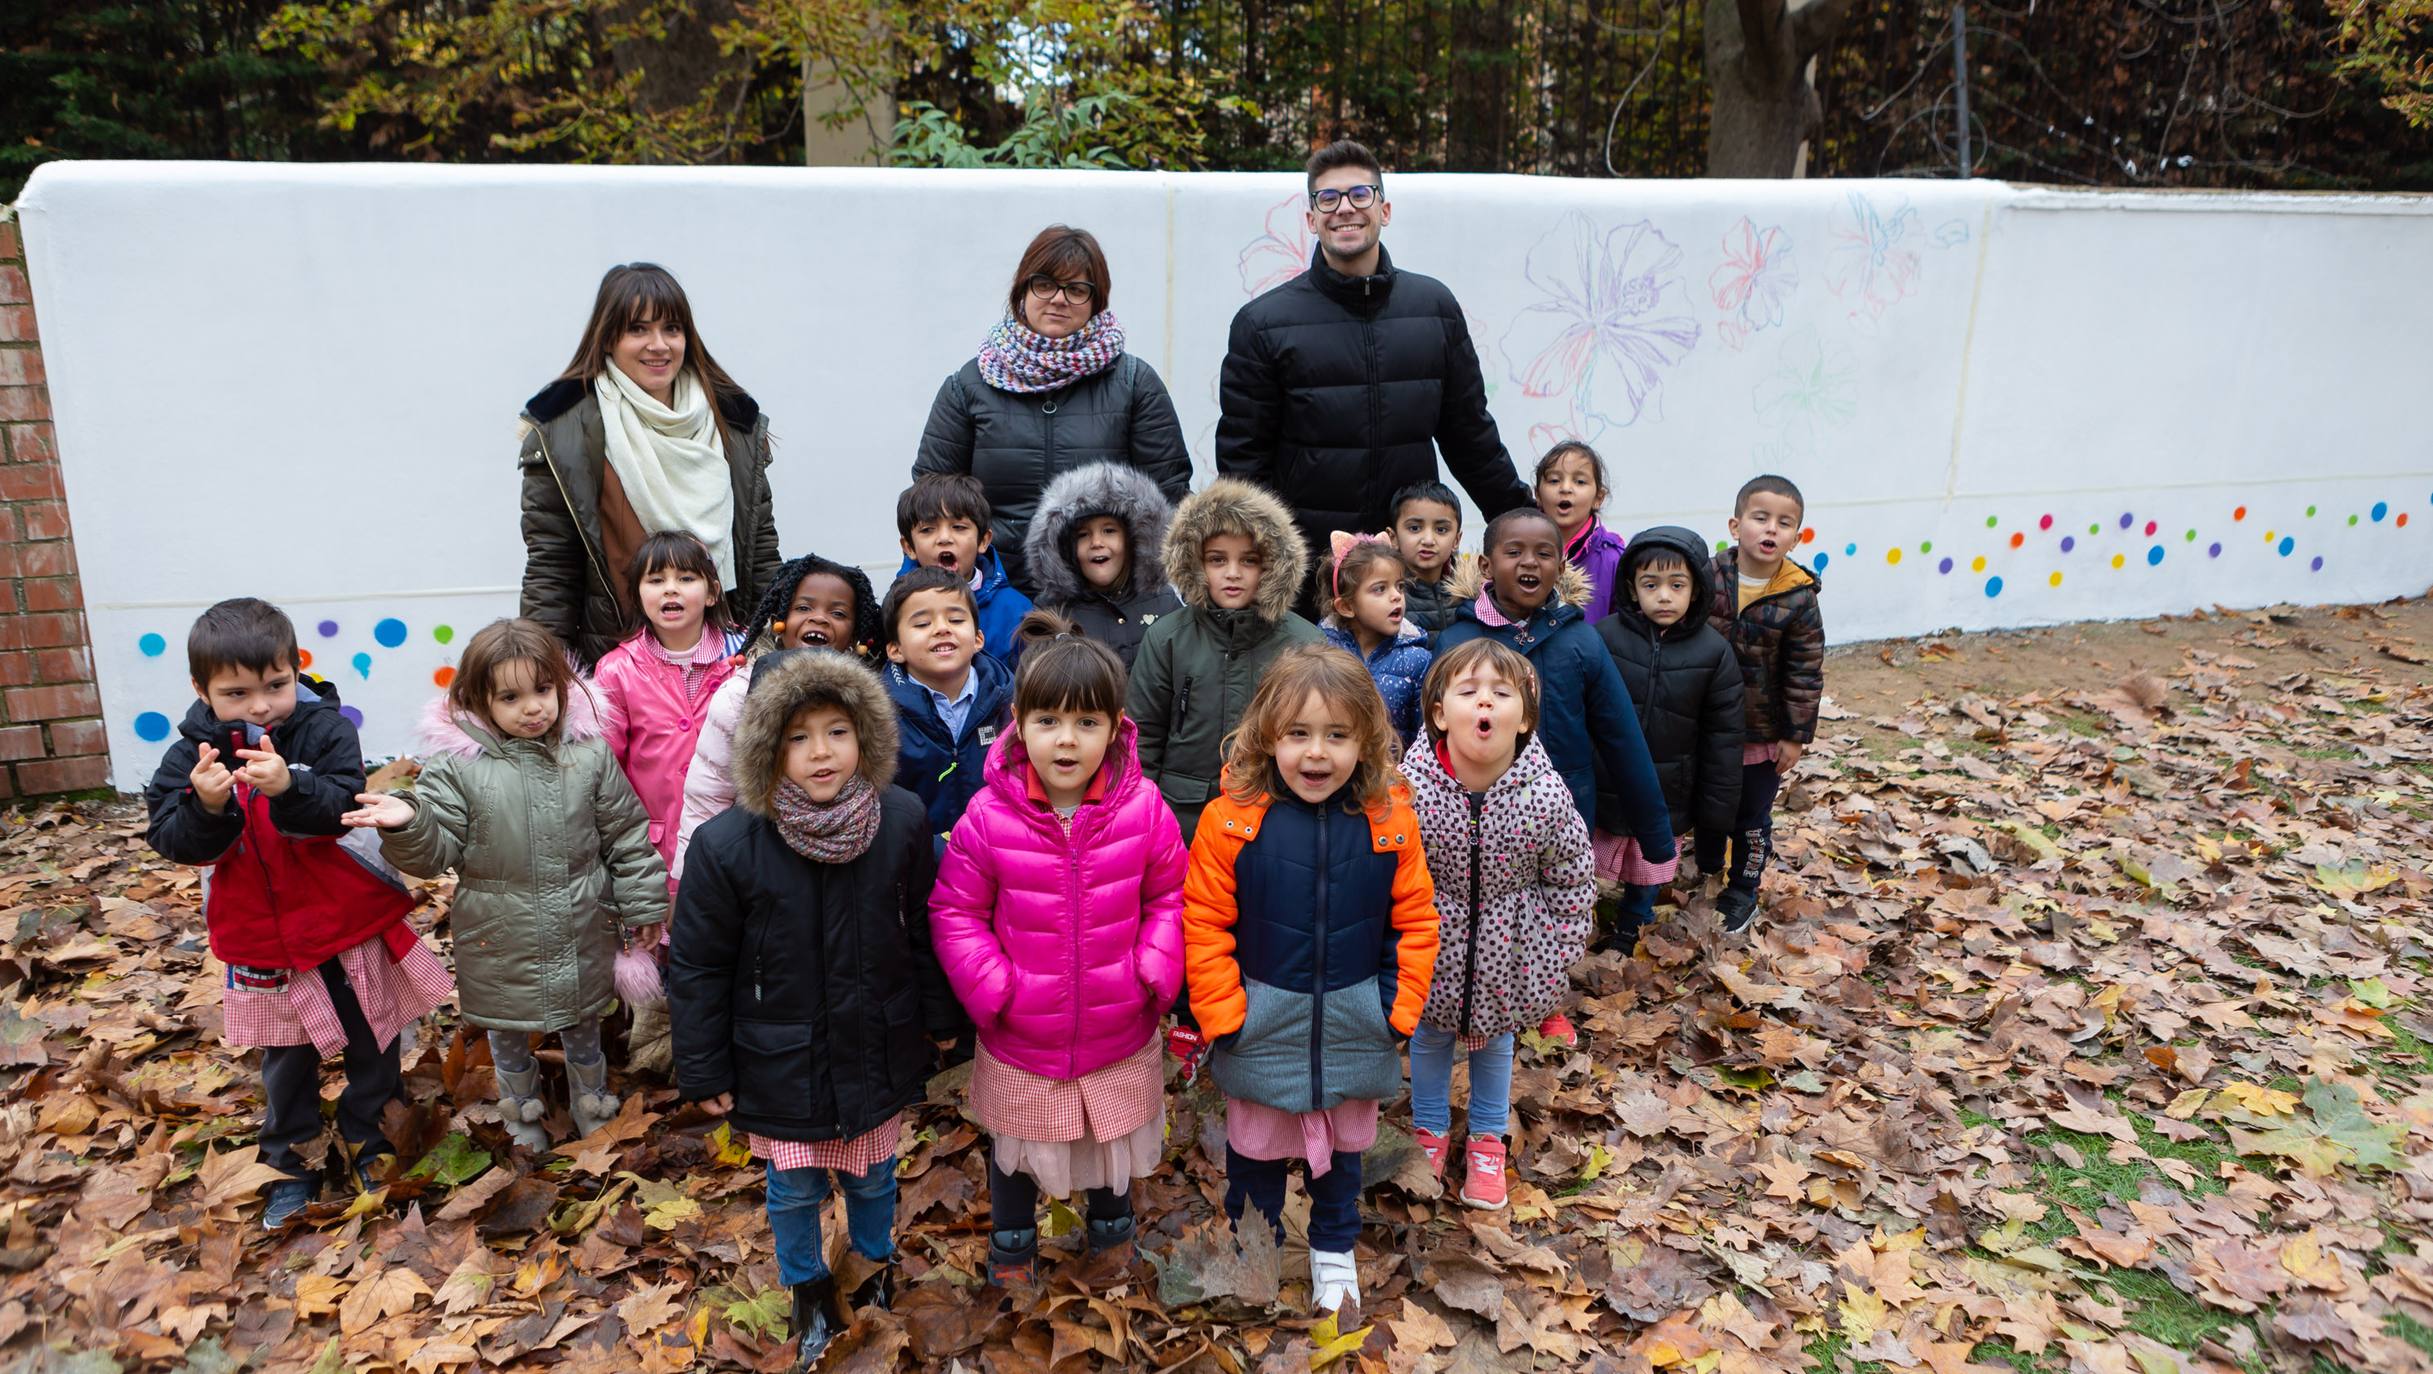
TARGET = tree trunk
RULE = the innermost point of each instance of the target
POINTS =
(1761, 62)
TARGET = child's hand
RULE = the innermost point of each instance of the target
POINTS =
(719, 1105)
(264, 768)
(213, 784)
(1786, 756)
(379, 809)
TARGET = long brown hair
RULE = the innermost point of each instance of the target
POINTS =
(634, 291)
(498, 644)
(1339, 680)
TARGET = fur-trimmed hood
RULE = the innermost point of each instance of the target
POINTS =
(1095, 489)
(1469, 578)
(785, 682)
(1232, 506)
(446, 730)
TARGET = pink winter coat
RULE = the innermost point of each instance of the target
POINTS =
(1065, 949)
(650, 726)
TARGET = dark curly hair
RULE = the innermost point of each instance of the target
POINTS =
(780, 594)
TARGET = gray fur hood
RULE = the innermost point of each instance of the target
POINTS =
(1232, 506)
(1095, 489)
(786, 682)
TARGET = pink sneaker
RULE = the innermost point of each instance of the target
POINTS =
(1435, 1147)
(1558, 1028)
(1482, 1182)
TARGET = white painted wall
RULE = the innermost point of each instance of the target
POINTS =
(2017, 381)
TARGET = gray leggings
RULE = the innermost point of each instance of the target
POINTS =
(512, 1050)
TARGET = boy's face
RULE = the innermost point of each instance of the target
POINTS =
(1426, 533)
(935, 637)
(256, 696)
(1765, 529)
(1663, 591)
(1102, 551)
(1523, 561)
(1232, 564)
(952, 542)
(821, 751)
(821, 615)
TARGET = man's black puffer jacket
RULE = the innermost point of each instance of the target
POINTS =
(1338, 391)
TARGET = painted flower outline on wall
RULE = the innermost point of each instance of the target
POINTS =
(1280, 254)
(1875, 258)
(1808, 390)
(1755, 281)
(1616, 316)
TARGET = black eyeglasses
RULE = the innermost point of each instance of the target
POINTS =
(1047, 288)
(1361, 197)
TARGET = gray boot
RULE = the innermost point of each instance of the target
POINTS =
(521, 1108)
(587, 1095)
(648, 1048)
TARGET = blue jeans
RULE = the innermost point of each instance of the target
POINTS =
(1334, 1201)
(795, 1199)
(1432, 1082)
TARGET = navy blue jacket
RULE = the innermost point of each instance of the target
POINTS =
(1002, 607)
(1399, 667)
(945, 772)
(1585, 719)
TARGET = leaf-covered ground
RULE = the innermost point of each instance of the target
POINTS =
(2090, 1029)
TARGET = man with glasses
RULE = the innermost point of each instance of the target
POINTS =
(1341, 385)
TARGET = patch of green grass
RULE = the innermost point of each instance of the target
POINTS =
(2408, 1044)
(1970, 1117)
(2329, 751)
(2165, 1313)
(2082, 723)
(1831, 1349)
(1997, 1350)
(2409, 1329)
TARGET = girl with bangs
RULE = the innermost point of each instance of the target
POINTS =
(643, 431)
(1058, 918)
(1310, 933)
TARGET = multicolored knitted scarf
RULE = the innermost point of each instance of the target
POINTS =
(835, 833)
(1020, 359)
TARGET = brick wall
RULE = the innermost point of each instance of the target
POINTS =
(50, 714)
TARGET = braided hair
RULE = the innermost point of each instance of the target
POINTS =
(780, 595)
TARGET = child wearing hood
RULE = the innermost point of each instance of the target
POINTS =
(1096, 552)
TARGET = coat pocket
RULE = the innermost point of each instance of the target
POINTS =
(1363, 1055)
(777, 1075)
(1267, 1061)
(1182, 791)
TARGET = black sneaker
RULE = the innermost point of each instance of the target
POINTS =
(1738, 908)
(288, 1199)
(812, 1328)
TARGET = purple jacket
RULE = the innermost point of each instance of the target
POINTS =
(1065, 948)
(1597, 551)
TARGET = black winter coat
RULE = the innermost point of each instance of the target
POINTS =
(1017, 443)
(1685, 680)
(807, 990)
(1338, 391)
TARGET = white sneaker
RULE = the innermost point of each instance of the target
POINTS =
(1334, 1280)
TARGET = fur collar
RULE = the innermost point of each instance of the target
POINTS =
(446, 730)
(1464, 583)
(560, 396)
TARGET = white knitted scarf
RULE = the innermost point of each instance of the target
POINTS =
(672, 461)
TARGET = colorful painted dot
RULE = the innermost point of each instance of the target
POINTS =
(2054, 580)
(2192, 536)
(1808, 535)
(1893, 556)
(2045, 524)
(353, 716)
(2287, 544)
(1821, 560)
(2154, 556)
(2402, 521)
(1927, 546)
(390, 633)
(2317, 565)
(1993, 586)
(2068, 543)
(2213, 551)
(363, 664)
(152, 727)
(2150, 528)
(328, 629)
(1992, 520)
(2239, 514)
(443, 633)
(2381, 509)
(304, 657)
(443, 675)
(2310, 512)
(2125, 517)
(2269, 535)
(1977, 564)
(2119, 560)
(153, 646)
(2352, 520)
(1944, 566)
(1850, 550)
(2095, 528)
(2017, 540)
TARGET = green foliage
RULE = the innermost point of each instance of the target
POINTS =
(2390, 43)
(1052, 134)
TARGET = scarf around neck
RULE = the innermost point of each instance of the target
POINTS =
(839, 831)
(671, 460)
(1018, 358)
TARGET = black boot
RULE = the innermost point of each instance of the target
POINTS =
(813, 1328)
(1111, 1234)
(1013, 1258)
(876, 1291)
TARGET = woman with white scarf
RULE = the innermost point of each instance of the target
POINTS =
(643, 432)
(1052, 389)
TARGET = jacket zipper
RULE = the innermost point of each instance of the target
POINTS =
(1072, 858)
(1469, 978)
(598, 561)
(1317, 982)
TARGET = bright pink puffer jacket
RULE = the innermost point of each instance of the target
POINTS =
(1065, 949)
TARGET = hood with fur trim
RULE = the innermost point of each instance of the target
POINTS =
(784, 683)
(446, 730)
(1469, 578)
(1095, 489)
(1232, 506)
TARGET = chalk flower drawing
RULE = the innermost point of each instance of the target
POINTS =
(1754, 282)
(1809, 388)
(1615, 317)
(1875, 258)
(1280, 254)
